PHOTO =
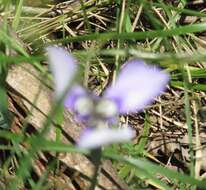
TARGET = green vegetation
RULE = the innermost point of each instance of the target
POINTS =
(169, 150)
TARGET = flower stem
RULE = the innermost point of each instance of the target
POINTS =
(96, 160)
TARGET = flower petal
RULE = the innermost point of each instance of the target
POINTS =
(63, 67)
(75, 92)
(94, 138)
(136, 86)
(79, 102)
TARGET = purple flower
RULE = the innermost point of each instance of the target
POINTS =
(137, 85)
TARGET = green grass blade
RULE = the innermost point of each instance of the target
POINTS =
(156, 169)
(192, 28)
(17, 15)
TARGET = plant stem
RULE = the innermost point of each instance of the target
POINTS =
(96, 160)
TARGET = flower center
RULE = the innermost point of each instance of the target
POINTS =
(106, 108)
(84, 106)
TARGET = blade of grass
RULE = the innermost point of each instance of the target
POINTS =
(156, 169)
(16, 20)
(143, 139)
(186, 82)
(135, 35)
(180, 84)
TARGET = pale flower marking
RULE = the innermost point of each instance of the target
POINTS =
(136, 86)
(92, 138)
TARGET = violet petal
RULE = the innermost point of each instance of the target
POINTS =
(63, 67)
(74, 93)
(136, 86)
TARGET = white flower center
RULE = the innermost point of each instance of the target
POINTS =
(106, 108)
(84, 106)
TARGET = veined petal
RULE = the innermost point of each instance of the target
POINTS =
(63, 67)
(136, 86)
(94, 138)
